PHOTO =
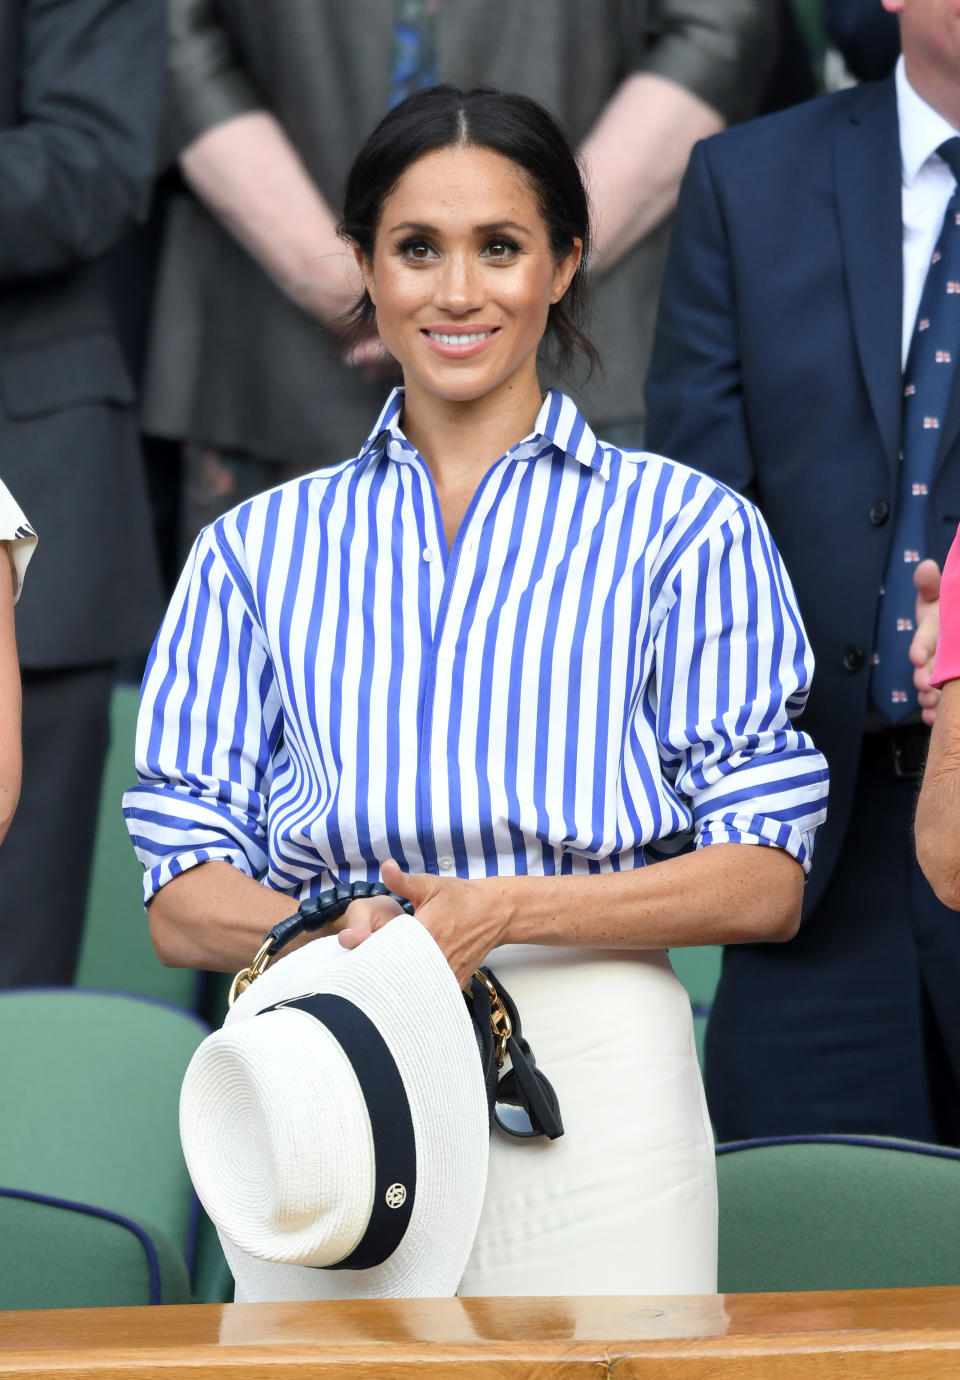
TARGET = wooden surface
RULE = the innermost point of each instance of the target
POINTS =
(903, 1333)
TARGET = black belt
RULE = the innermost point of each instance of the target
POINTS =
(902, 749)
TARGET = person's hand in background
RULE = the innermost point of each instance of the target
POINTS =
(926, 579)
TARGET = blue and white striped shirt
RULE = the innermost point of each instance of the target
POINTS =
(606, 660)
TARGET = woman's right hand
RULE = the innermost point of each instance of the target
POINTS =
(361, 918)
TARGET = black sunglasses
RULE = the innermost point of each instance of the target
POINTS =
(526, 1104)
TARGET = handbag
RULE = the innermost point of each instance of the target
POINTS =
(521, 1102)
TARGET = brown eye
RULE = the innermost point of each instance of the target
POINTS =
(501, 250)
(417, 251)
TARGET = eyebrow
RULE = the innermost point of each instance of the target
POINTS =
(423, 229)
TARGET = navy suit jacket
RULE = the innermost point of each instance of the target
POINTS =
(777, 370)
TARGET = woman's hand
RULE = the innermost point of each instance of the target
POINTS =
(463, 916)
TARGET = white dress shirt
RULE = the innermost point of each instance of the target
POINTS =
(928, 185)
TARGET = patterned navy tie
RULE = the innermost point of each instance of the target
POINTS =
(927, 381)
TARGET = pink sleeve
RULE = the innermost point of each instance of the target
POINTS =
(946, 664)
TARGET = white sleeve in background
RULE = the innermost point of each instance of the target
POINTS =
(19, 536)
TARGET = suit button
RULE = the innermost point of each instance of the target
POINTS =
(879, 512)
(852, 658)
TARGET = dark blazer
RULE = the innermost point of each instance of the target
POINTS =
(80, 90)
(777, 369)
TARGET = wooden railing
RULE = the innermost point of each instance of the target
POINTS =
(909, 1334)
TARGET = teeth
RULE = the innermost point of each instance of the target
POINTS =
(463, 339)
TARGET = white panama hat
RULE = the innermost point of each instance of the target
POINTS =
(339, 1141)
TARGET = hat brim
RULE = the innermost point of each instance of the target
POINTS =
(401, 980)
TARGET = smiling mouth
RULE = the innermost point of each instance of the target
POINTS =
(460, 337)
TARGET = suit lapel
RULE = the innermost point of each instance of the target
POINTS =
(867, 184)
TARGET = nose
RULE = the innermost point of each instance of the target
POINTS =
(458, 285)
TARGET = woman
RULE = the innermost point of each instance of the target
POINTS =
(499, 662)
(18, 540)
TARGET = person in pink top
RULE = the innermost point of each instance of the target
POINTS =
(937, 825)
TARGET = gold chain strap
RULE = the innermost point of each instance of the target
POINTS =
(499, 1020)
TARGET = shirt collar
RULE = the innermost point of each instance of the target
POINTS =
(922, 129)
(559, 421)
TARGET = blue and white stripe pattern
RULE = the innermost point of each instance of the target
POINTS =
(607, 659)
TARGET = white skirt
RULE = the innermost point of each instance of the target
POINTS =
(625, 1201)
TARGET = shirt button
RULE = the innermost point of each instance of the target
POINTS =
(852, 658)
(879, 512)
(445, 864)
(427, 554)
(445, 656)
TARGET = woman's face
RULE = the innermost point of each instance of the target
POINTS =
(462, 274)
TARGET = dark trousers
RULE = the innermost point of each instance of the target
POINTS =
(854, 1026)
(45, 858)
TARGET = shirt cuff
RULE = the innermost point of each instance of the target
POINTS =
(156, 877)
(760, 829)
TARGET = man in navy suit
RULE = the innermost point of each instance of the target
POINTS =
(800, 252)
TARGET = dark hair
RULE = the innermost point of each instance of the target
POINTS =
(509, 124)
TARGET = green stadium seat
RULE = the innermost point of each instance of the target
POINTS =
(837, 1212)
(60, 1254)
(90, 1086)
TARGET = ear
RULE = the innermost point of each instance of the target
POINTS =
(565, 268)
(366, 270)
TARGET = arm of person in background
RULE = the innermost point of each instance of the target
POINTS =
(9, 694)
(694, 391)
(705, 68)
(250, 176)
(923, 646)
(76, 172)
(238, 160)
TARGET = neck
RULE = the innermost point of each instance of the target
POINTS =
(940, 90)
(461, 440)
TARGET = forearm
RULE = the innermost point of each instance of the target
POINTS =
(252, 179)
(214, 916)
(937, 827)
(727, 893)
(9, 697)
(635, 157)
(724, 894)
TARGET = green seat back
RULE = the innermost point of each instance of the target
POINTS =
(116, 953)
(90, 1086)
(59, 1254)
(837, 1213)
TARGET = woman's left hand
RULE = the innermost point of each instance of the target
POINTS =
(467, 918)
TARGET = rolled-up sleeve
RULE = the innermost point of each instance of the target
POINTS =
(721, 50)
(209, 724)
(207, 80)
(733, 670)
